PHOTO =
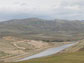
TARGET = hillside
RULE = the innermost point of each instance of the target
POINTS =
(12, 46)
(78, 47)
(40, 29)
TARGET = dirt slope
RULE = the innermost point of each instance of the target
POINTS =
(78, 47)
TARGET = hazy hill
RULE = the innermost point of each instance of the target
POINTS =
(40, 29)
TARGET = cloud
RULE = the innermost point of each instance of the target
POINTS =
(70, 9)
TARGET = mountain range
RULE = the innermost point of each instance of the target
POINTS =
(41, 29)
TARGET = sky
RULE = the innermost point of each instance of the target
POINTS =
(47, 9)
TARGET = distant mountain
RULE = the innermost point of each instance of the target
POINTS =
(40, 29)
(81, 20)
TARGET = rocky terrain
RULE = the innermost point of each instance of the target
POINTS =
(14, 46)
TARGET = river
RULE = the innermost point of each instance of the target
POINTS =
(48, 52)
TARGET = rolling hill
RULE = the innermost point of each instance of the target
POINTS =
(40, 29)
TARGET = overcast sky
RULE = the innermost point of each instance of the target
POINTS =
(48, 9)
